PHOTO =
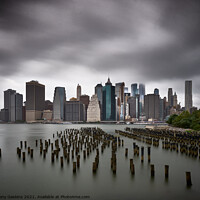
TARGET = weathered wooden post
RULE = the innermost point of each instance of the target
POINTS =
(52, 157)
(188, 179)
(152, 171)
(166, 171)
(61, 161)
(31, 153)
(0, 152)
(36, 143)
(24, 156)
(74, 167)
(142, 154)
(94, 167)
(149, 154)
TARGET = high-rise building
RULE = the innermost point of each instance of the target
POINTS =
(170, 97)
(175, 101)
(162, 110)
(16, 107)
(152, 106)
(119, 93)
(98, 92)
(109, 102)
(78, 91)
(7, 101)
(134, 89)
(59, 104)
(126, 105)
(35, 100)
(156, 91)
(74, 111)
(188, 95)
(85, 99)
(134, 106)
(141, 93)
(93, 111)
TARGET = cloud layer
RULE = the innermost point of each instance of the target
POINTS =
(134, 40)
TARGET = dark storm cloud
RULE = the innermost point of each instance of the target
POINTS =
(156, 38)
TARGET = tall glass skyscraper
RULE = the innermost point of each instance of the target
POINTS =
(134, 89)
(59, 103)
(109, 104)
(142, 94)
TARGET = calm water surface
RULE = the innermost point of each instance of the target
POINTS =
(39, 177)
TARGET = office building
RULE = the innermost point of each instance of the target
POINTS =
(152, 106)
(134, 105)
(59, 104)
(35, 101)
(85, 99)
(188, 95)
(93, 111)
(170, 97)
(16, 107)
(175, 101)
(119, 93)
(78, 92)
(74, 111)
(142, 94)
(156, 91)
(134, 89)
(109, 102)
(7, 102)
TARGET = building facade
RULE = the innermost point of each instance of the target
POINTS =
(188, 95)
(152, 106)
(16, 107)
(74, 111)
(59, 104)
(134, 89)
(85, 99)
(35, 101)
(109, 102)
(93, 111)
(142, 94)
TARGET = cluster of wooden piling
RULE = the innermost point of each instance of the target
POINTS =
(183, 142)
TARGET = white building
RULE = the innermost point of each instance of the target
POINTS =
(93, 111)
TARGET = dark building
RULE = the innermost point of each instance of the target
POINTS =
(7, 101)
(35, 100)
(170, 97)
(74, 111)
(78, 92)
(134, 105)
(109, 103)
(48, 105)
(134, 89)
(162, 110)
(16, 107)
(152, 106)
(156, 91)
(4, 115)
(85, 99)
(188, 95)
(99, 93)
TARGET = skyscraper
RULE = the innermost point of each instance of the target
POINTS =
(16, 107)
(35, 100)
(7, 101)
(93, 111)
(175, 101)
(134, 106)
(152, 106)
(141, 93)
(78, 91)
(119, 93)
(188, 95)
(170, 97)
(98, 92)
(85, 99)
(59, 104)
(134, 89)
(109, 103)
(156, 91)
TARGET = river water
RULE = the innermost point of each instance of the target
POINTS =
(38, 178)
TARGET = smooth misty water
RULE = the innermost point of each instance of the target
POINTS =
(40, 177)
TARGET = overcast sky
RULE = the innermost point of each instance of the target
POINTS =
(66, 42)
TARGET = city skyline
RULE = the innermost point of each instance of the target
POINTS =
(65, 43)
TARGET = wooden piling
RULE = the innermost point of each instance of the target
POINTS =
(21, 144)
(152, 171)
(25, 144)
(188, 179)
(31, 153)
(74, 167)
(166, 171)
(36, 143)
(149, 154)
(24, 156)
(52, 157)
(132, 169)
(94, 167)
(0, 152)
(142, 154)
(61, 161)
